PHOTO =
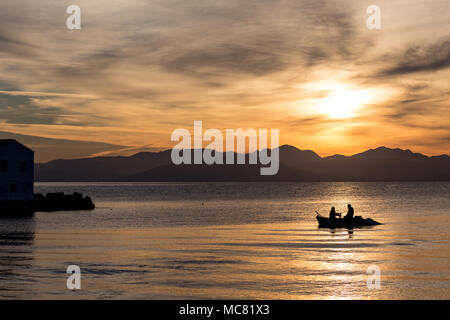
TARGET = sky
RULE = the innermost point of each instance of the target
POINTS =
(137, 70)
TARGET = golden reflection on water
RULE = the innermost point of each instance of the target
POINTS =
(232, 241)
(276, 261)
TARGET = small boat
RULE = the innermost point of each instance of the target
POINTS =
(341, 223)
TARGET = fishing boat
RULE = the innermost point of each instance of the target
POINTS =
(344, 223)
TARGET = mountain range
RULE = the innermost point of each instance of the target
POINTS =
(380, 164)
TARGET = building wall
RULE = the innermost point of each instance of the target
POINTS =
(15, 183)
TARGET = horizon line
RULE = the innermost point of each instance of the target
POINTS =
(246, 153)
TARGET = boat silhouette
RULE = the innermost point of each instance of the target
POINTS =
(357, 221)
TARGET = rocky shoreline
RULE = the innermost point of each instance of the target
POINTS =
(48, 203)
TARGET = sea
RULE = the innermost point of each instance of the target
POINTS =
(232, 241)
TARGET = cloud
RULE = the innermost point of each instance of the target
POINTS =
(148, 67)
(128, 151)
(21, 110)
(209, 41)
(37, 108)
(421, 58)
(13, 46)
(47, 149)
(229, 58)
(44, 94)
(258, 39)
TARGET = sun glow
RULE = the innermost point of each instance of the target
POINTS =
(342, 102)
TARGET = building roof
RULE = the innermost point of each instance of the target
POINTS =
(7, 141)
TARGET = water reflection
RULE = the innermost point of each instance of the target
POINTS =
(17, 230)
(241, 241)
(17, 235)
(339, 232)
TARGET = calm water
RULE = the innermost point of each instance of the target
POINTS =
(232, 240)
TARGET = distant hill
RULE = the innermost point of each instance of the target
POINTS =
(100, 168)
(380, 164)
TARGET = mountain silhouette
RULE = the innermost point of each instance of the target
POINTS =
(100, 168)
(380, 164)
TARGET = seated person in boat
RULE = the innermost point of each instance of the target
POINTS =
(333, 213)
(350, 213)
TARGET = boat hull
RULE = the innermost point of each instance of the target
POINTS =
(341, 223)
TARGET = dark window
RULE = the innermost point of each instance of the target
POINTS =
(23, 166)
(3, 165)
(12, 187)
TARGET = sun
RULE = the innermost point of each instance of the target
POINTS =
(342, 102)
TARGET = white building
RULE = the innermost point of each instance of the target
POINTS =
(16, 171)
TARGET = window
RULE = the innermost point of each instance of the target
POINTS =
(23, 166)
(3, 165)
(12, 188)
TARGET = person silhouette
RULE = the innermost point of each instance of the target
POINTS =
(350, 213)
(333, 213)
